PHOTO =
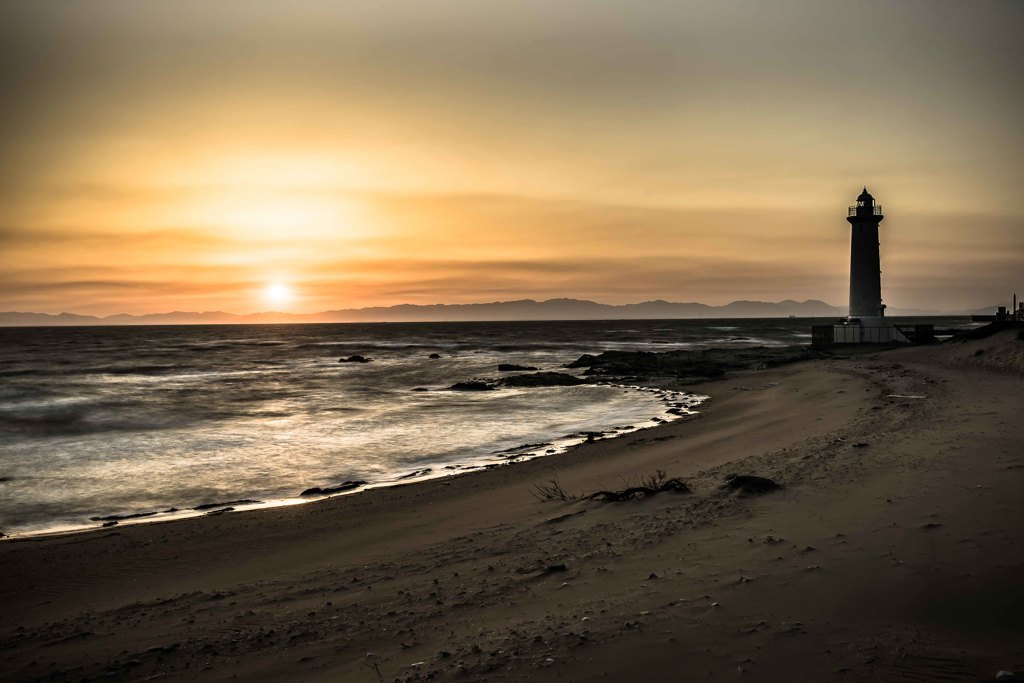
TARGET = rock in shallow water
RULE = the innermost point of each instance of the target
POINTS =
(473, 385)
(542, 379)
(355, 359)
(210, 506)
(511, 367)
(326, 490)
(117, 518)
(701, 364)
(417, 473)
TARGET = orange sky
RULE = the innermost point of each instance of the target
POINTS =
(185, 155)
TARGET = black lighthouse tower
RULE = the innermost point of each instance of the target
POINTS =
(865, 270)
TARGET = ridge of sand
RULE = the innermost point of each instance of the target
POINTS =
(892, 553)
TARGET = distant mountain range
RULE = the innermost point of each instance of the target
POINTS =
(525, 309)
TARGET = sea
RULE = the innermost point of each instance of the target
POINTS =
(123, 424)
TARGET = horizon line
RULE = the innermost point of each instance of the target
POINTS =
(785, 306)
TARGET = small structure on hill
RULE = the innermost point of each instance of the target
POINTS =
(1015, 314)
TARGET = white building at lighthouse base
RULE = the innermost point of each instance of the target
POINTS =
(867, 331)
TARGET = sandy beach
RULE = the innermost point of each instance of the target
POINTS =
(891, 552)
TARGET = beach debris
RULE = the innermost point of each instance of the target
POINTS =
(551, 491)
(355, 359)
(650, 485)
(1004, 675)
(210, 506)
(473, 385)
(327, 490)
(634, 489)
(162, 649)
(373, 663)
(512, 367)
(750, 484)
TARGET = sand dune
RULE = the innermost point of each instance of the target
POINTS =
(891, 552)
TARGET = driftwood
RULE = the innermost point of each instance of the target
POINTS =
(633, 490)
(648, 486)
(551, 491)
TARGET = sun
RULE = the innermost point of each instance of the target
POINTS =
(277, 294)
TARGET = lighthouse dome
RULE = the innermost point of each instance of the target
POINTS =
(865, 196)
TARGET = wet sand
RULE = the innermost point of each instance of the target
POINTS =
(892, 552)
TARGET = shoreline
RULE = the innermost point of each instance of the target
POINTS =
(891, 550)
(520, 453)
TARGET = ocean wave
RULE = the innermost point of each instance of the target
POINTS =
(21, 372)
(138, 369)
(56, 369)
(336, 346)
(76, 423)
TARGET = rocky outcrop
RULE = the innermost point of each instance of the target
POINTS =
(511, 367)
(327, 490)
(692, 365)
(118, 518)
(542, 379)
(355, 359)
(210, 506)
(473, 385)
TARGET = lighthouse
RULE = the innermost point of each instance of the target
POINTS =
(865, 271)
(866, 322)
